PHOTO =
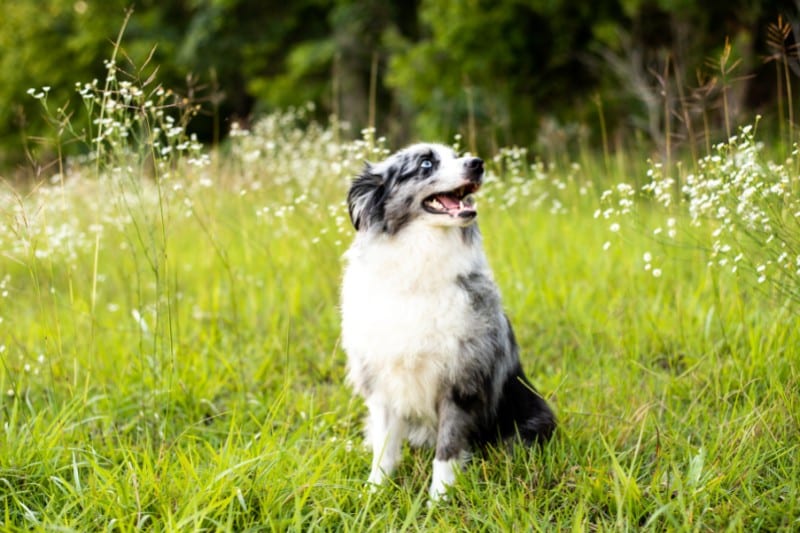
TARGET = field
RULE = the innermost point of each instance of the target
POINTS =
(170, 358)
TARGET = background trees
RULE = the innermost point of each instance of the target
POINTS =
(536, 72)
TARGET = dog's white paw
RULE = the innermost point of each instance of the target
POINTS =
(444, 475)
(376, 478)
(437, 495)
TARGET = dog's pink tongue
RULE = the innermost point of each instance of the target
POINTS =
(448, 202)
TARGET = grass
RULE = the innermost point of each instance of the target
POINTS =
(170, 357)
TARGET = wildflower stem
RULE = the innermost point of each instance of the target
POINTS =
(107, 87)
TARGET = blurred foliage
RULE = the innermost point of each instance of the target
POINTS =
(543, 73)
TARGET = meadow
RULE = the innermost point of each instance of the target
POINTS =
(170, 358)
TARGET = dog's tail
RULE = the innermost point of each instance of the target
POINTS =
(523, 411)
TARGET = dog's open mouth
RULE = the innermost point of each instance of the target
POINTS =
(456, 203)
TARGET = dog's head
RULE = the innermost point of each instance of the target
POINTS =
(426, 182)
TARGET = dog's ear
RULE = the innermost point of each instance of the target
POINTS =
(366, 197)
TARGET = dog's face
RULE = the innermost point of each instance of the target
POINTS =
(426, 182)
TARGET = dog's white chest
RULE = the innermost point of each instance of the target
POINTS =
(403, 315)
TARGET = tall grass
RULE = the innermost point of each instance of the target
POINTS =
(170, 357)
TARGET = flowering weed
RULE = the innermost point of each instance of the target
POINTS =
(739, 205)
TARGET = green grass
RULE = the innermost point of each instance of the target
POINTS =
(170, 361)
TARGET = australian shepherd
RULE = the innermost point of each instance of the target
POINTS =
(429, 346)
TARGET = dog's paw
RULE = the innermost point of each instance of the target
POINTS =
(372, 486)
(436, 496)
(444, 475)
(438, 492)
(376, 478)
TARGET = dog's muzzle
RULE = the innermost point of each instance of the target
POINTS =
(458, 202)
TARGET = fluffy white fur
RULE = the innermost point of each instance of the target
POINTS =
(400, 298)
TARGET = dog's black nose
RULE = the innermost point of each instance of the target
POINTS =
(474, 164)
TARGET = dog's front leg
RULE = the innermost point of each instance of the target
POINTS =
(385, 433)
(452, 446)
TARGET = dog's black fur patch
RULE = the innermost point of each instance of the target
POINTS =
(366, 198)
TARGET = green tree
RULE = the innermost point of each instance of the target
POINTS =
(501, 71)
(493, 67)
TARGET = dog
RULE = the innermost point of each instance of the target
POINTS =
(428, 344)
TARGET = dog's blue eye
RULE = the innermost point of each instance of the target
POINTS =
(426, 163)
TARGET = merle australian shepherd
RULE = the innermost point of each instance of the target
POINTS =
(429, 346)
